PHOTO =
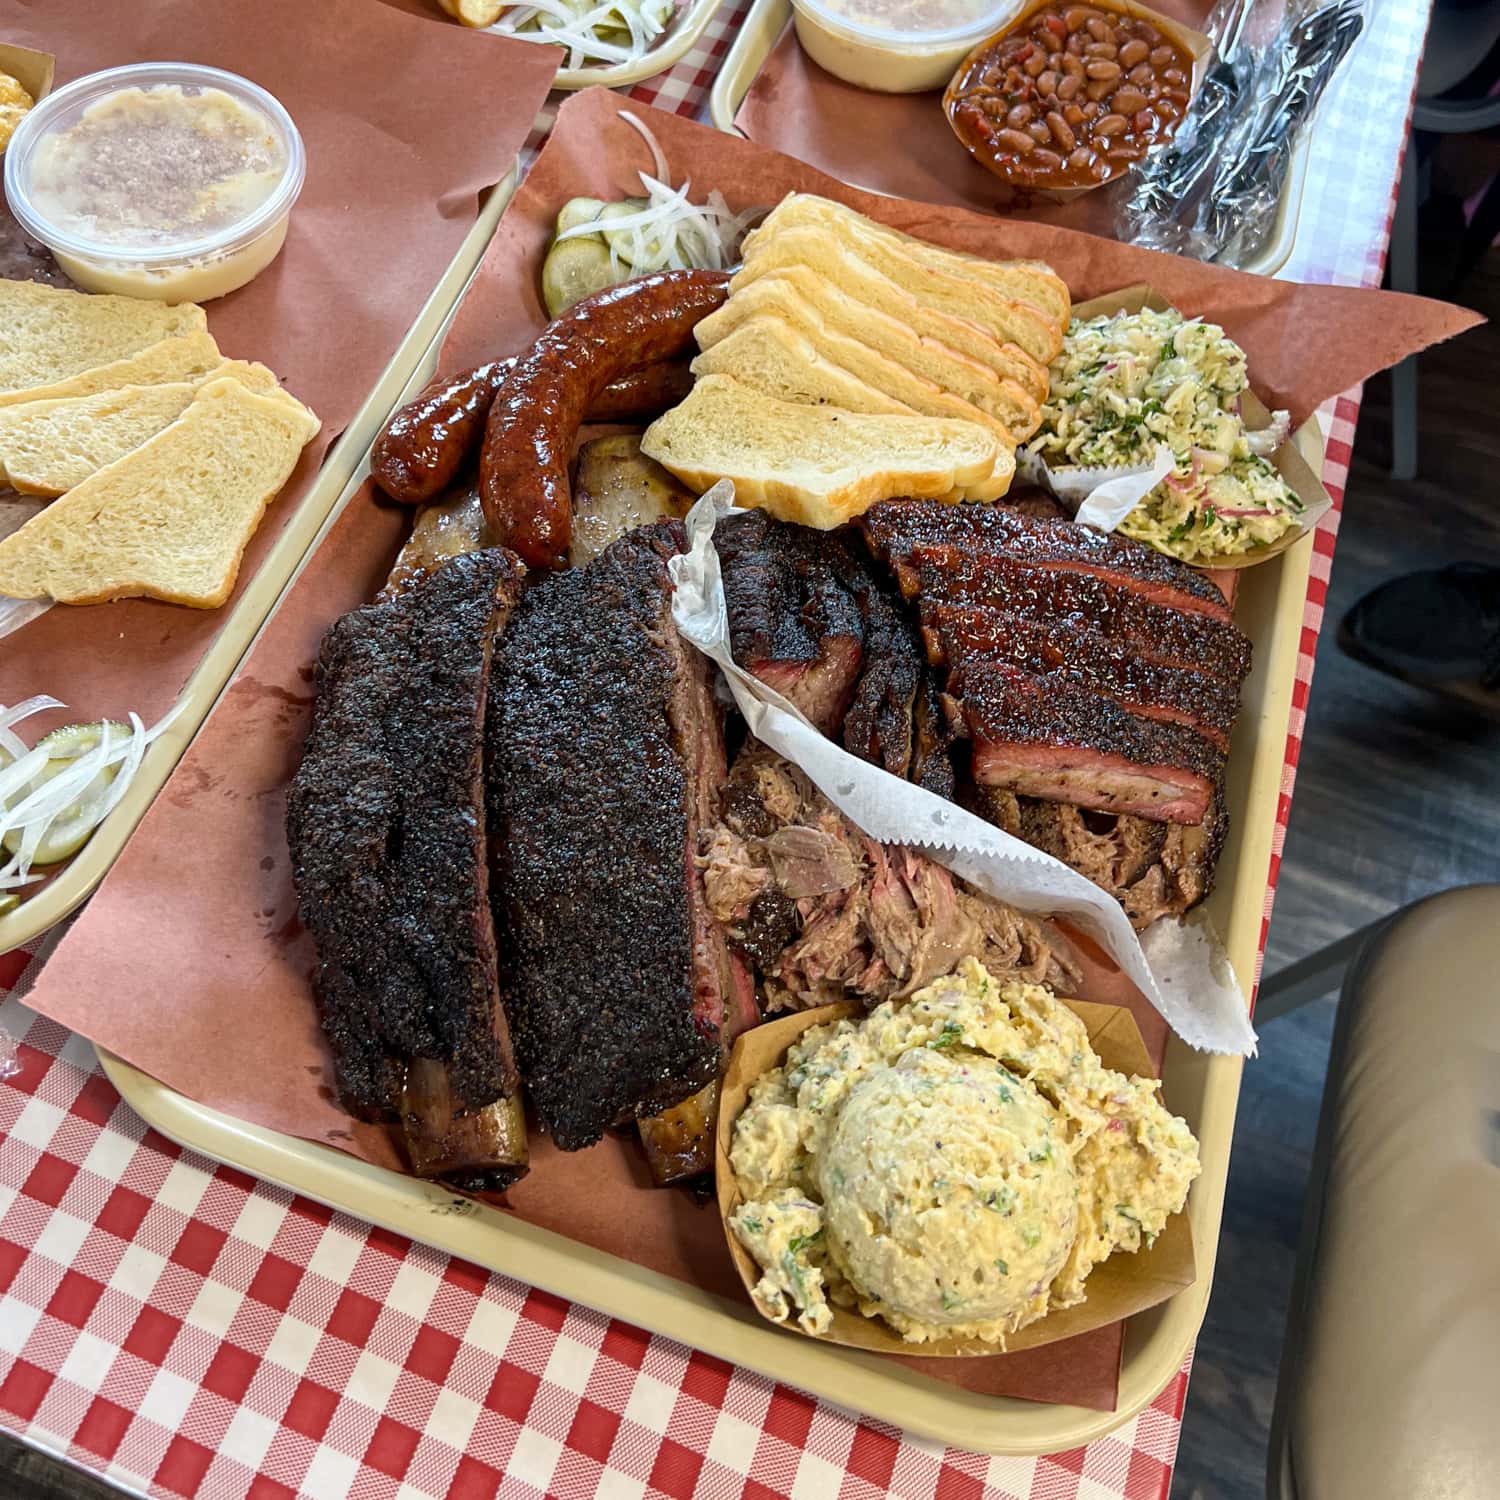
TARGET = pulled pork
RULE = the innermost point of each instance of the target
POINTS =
(826, 913)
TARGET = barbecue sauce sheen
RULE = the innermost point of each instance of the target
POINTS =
(1070, 98)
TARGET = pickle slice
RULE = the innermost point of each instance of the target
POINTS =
(71, 827)
(573, 270)
(578, 211)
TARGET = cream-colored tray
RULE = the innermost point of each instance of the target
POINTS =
(767, 19)
(687, 26)
(75, 882)
(1202, 1088)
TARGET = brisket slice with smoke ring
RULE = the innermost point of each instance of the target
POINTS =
(1177, 695)
(814, 616)
(386, 828)
(792, 623)
(898, 529)
(1043, 736)
(605, 756)
(1155, 632)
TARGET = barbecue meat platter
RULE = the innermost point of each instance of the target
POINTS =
(552, 877)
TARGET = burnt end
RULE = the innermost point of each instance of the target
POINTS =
(385, 826)
(600, 736)
(770, 924)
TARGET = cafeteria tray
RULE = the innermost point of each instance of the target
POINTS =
(76, 881)
(766, 20)
(1201, 1087)
(688, 25)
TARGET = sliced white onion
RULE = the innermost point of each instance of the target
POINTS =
(671, 232)
(592, 33)
(33, 806)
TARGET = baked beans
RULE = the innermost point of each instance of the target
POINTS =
(1071, 98)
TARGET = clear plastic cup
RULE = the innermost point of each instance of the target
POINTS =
(895, 46)
(162, 180)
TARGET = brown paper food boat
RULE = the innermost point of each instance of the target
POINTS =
(32, 70)
(1194, 43)
(1287, 460)
(1120, 1286)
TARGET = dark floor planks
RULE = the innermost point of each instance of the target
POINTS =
(1397, 796)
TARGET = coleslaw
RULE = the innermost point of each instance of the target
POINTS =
(1124, 384)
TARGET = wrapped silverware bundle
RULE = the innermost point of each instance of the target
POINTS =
(1212, 191)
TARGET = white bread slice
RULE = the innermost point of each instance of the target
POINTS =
(811, 262)
(886, 339)
(1032, 281)
(189, 356)
(772, 356)
(831, 465)
(871, 371)
(47, 447)
(171, 519)
(48, 334)
(1005, 319)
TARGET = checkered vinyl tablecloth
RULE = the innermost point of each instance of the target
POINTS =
(188, 1331)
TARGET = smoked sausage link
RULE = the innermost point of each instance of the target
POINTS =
(533, 421)
(645, 393)
(421, 449)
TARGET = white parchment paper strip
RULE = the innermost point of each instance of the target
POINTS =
(1204, 1013)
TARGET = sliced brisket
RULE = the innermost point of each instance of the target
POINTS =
(814, 616)
(792, 622)
(385, 821)
(605, 757)
(1043, 736)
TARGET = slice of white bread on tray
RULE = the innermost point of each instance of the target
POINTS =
(48, 334)
(793, 257)
(47, 447)
(771, 356)
(885, 337)
(955, 292)
(171, 519)
(1032, 281)
(189, 356)
(782, 370)
(933, 391)
(819, 466)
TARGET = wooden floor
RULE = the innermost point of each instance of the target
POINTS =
(1397, 796)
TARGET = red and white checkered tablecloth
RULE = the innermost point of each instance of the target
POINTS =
(188, 1331)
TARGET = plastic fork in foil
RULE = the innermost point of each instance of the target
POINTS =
(1212, 191)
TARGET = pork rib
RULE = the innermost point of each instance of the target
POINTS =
(1155, 632)
(1178, 695)
(385, 822)
(899, 531)
(605, 757)
(1043, 736)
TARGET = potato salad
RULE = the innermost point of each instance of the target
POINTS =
(955, 1164)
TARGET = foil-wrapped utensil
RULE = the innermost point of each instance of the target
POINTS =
(1211, 192)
